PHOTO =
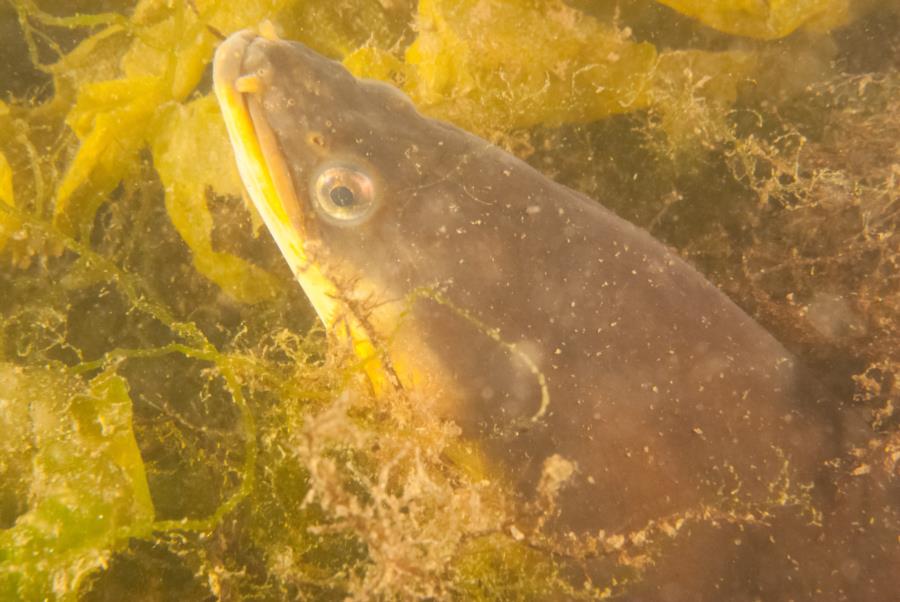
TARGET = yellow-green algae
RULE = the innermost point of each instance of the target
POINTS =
(766, 19)
(87, 487)
(168, 428)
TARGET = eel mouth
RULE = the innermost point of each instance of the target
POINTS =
(264, 168)
(264, 171)
(259, 157)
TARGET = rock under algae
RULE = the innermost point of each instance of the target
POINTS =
(230, 457)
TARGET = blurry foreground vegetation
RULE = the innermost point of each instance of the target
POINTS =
(172, 423)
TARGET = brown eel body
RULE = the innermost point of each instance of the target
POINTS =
(660, 441)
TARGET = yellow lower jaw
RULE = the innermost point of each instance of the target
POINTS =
(269, 185)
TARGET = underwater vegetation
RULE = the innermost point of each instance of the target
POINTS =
(174, 423)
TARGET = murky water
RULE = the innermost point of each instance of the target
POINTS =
(175, 425)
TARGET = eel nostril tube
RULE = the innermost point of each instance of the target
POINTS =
(248, 84)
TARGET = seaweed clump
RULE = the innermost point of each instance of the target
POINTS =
(172, 420)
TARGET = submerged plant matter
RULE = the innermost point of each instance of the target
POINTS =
(172, 420)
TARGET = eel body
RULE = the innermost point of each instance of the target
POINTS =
(565, 342)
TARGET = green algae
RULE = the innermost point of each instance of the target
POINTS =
(143, 319)
(471, 62)
(87, 485)
(7, 196)
(194, 129)
(765, 20)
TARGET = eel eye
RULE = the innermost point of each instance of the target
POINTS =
(344, 194)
